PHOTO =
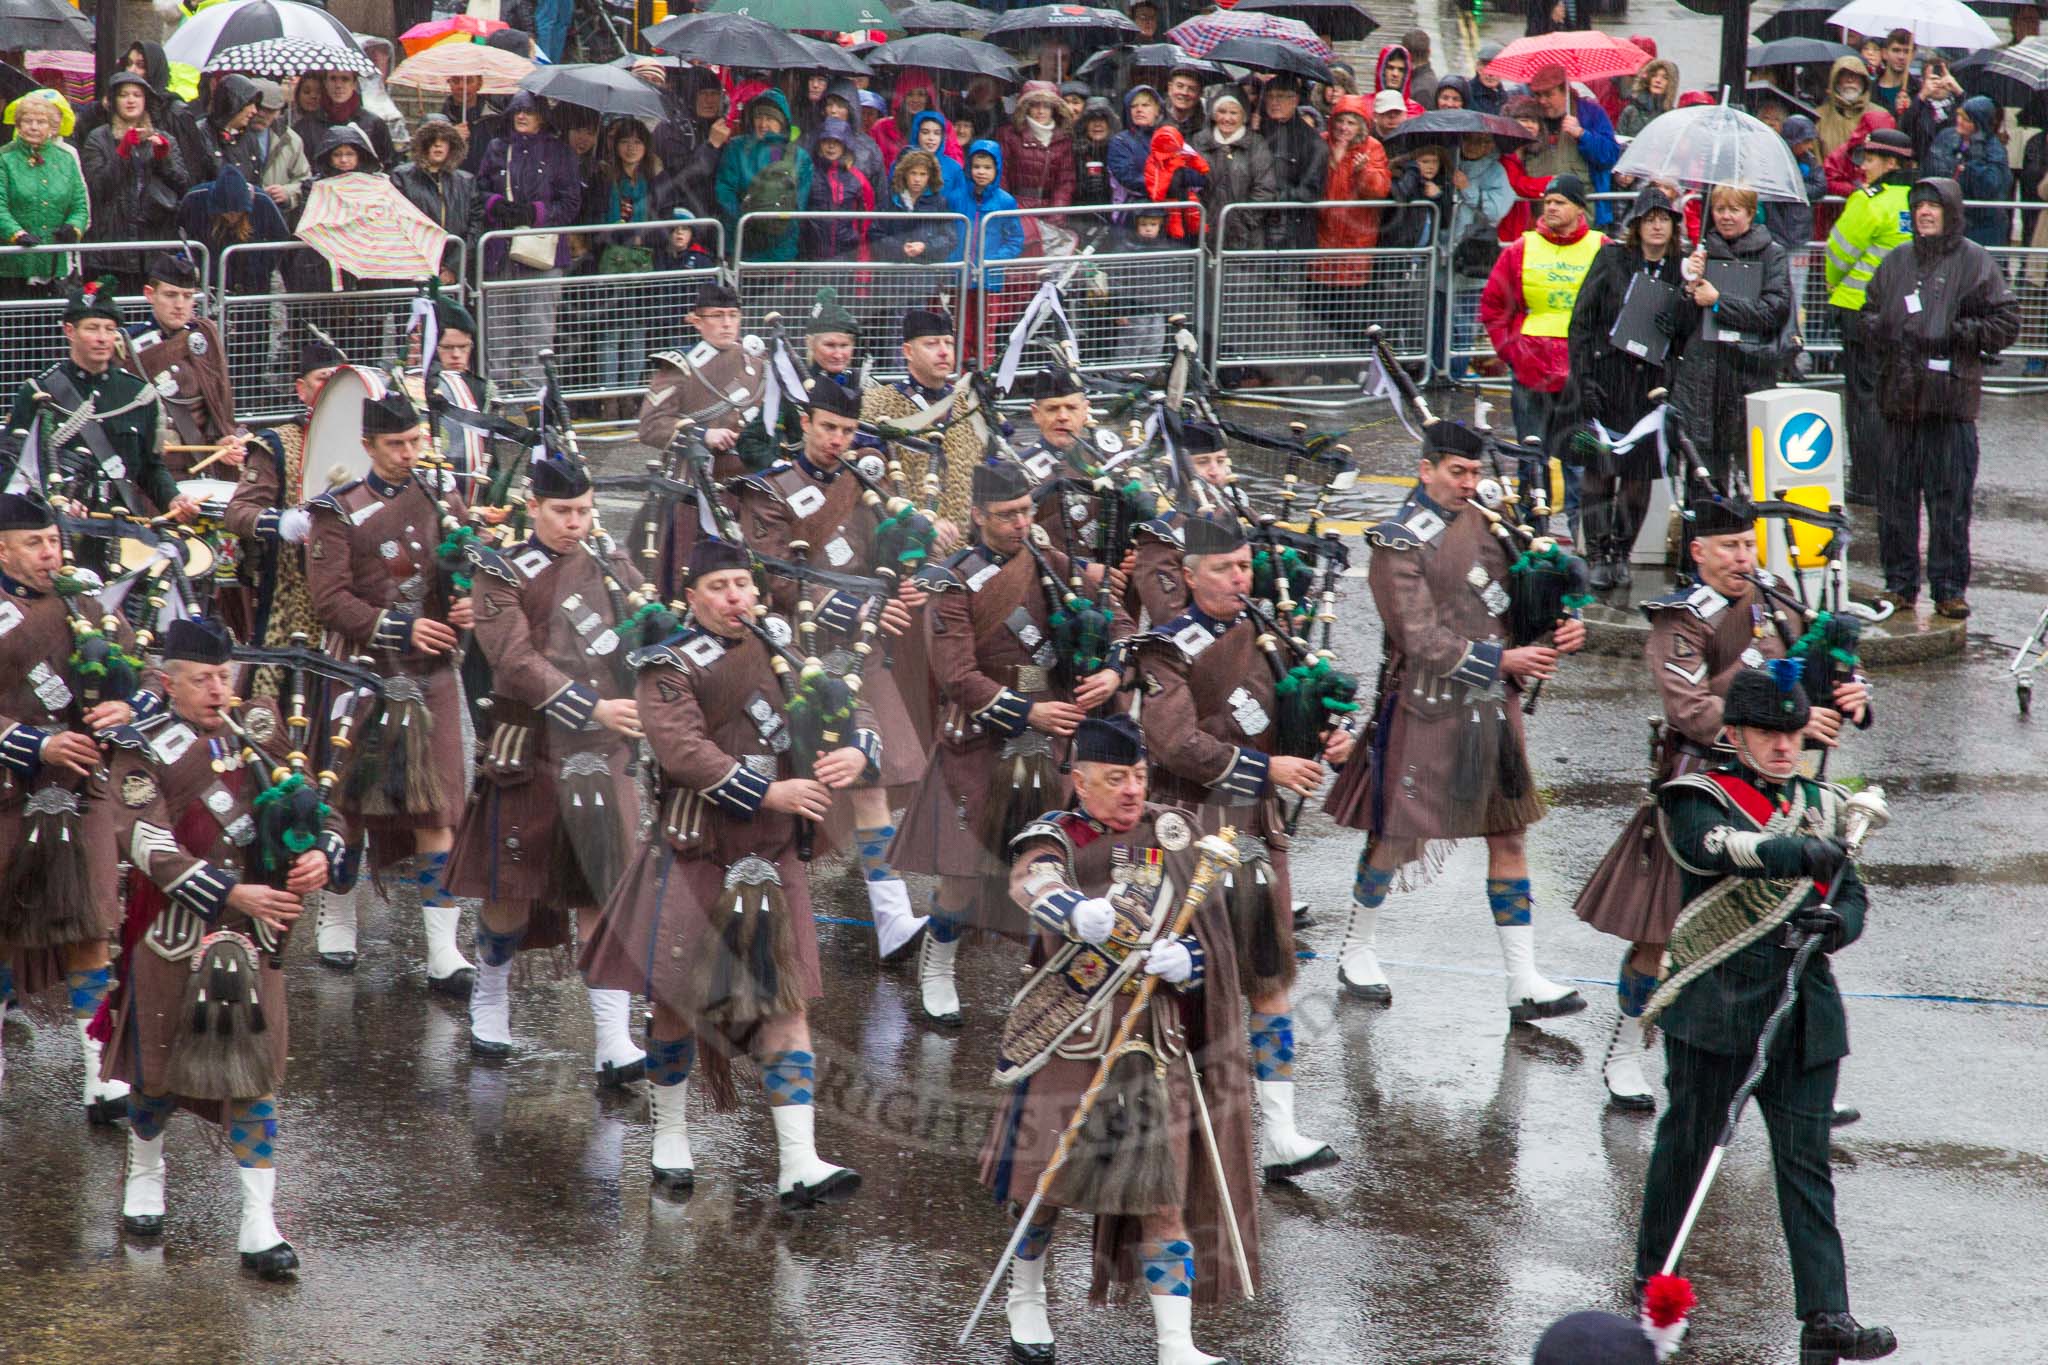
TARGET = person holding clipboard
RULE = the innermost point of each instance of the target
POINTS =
(1738, 333)
(1620, 340)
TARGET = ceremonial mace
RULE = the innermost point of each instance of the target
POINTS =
(1214, 853)
(1866, 811)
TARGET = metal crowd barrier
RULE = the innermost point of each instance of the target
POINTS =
(1298, 316)
(600, 326)
(877, 293)
(1117, 299)
(31, 323)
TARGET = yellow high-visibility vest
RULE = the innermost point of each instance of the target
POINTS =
(1551, 276)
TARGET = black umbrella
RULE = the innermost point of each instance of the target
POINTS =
(1758, 93)
(1270, 54)
(1340, 21)
(48, 25)
(1080, 27)
(730, 40)
(599, 87)
(2015, 75)
(1800, 19)
(1448, 125)
(944, 16)
(14, 83)
(830, 57)
(1164, 58)
(1798, 51)
(945, 52)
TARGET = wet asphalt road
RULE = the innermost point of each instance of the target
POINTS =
(453, 1211)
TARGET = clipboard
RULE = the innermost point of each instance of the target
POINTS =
(1742, 280)
(1635, 330)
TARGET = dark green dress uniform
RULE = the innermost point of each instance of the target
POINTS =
(131, 436)
(1730, 823)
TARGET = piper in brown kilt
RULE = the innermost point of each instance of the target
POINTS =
(58, 902)
(811, 500)
(1210, 712)
(1700, 638)
(199, 1020)
(1447, 758)
(554, 807)
(1004, 720)
(1164, 1158)
(265, 513)
(377, 589)
(712, 921)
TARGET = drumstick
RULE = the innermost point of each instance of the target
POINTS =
(192, 450)
(218, 453)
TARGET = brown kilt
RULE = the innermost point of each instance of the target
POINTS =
(152, 1012)
(513, 847)
(938, 834)
(1634, 893)
(444, 746)
(38, 969)
(656, 922)
(1417, 744)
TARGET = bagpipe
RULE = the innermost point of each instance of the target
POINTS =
(1080, 623)
(293, 798)
(1310, 693)
(819, 699)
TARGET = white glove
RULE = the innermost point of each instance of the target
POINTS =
(1170, 961)
(1092, 920)
(294, 524)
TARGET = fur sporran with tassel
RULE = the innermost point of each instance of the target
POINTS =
(1489, 763)
(1024, 785)
(47, 899)
(396, 775)
(1263, 928)
(1122, 1157)
(746, 969)
(222, 1050)
(590, 843)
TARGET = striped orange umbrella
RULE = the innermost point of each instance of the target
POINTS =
(363, 224)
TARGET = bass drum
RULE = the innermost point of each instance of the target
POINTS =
(334, 435)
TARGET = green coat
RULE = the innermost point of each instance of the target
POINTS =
(39, 199)
(1724, 1011)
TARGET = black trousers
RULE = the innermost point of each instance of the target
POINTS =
(1859, 405)
(1614, 509)
(1796, 1105)
(1933, 461)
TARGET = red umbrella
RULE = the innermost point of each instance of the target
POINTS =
(1585, 55)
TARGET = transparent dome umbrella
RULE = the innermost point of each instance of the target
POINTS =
(1714, 144)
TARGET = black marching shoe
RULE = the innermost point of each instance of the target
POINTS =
(277, 1263)
(1844, 1115)
(1304, 918)
(340, 962)
(488, 1049)
(1033, 1352)
(1828, 1337)
(456, 985)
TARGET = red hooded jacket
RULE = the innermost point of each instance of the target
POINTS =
(1170, 155)
(1539, 363)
